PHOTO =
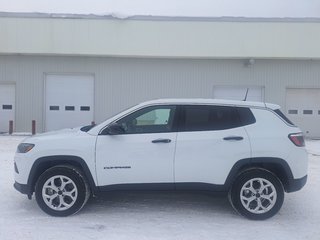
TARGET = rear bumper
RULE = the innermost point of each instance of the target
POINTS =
(296, 184)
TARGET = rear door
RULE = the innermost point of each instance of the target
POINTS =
(211, 140)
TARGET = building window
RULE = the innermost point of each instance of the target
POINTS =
(308, 112)
(69, 108)
(293, 111)
(84, 108)
(7, 107)
(54, 108)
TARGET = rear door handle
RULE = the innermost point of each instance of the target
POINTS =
(233, 138)
(160, 140)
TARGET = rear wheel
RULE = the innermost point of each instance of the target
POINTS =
(257, 194)
(62, 191)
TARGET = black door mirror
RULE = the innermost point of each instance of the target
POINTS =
(113, 129)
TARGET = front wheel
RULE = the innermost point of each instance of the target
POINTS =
(257, 194)
(62, 191)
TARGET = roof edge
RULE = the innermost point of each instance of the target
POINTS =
(115, 16)
(213, 101)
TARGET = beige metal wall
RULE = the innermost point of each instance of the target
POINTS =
(152, 38)
(122, 82)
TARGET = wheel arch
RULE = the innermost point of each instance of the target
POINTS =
(44, 163)
(277, 166)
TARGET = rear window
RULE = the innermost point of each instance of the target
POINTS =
(284, 118)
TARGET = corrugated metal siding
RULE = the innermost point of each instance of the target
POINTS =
(169, 38)
(122, 82)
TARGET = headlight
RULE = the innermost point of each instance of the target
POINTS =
(24, 147)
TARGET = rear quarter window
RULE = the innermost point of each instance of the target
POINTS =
(283, 117)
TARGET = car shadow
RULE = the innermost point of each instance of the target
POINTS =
(159, 201)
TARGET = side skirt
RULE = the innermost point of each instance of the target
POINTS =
(192, 186)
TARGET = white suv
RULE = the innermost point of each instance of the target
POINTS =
(249, 150)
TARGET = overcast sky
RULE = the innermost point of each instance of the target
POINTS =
(202, 8)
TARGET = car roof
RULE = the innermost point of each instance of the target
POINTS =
(208, 101)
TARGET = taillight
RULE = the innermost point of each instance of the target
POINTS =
(297, 139)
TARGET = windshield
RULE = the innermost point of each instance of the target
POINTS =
(89, 127)
(123, 110)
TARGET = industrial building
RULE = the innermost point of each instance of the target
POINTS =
(70, 70)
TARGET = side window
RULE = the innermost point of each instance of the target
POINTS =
(205, 118)
(246, 116)
(197, 118)
(155, 119)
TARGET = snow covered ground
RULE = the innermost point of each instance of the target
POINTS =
(156, 215)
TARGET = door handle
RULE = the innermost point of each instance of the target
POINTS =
(233, 138)
(160, 140)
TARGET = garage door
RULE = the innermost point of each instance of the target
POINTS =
(69, 101)
(303, 108)
(255, 93)
(7, 105)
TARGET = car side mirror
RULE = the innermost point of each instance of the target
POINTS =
(113, 129)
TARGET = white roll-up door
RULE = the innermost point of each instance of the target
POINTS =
(69, 101)
(255, 93)
(303, 109)
(7, 106)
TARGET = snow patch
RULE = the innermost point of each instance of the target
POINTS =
(173, 8)
(119, 15)
(156, 216)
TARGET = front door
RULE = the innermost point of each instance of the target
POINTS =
(143, 153)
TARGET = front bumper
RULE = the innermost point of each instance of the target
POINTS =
(296, 184)
(23, 188)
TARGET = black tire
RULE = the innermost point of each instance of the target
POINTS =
(264, 202)
(78, 188)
